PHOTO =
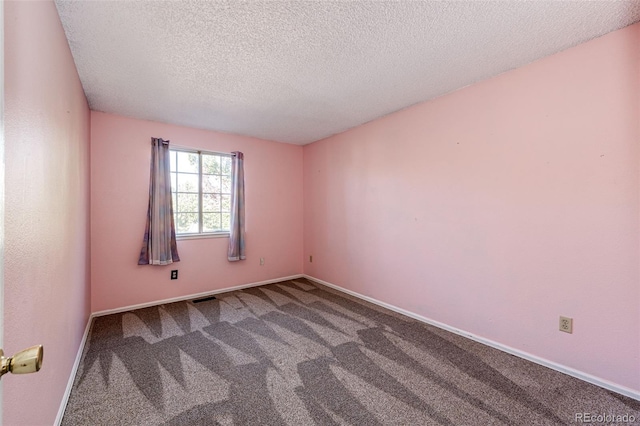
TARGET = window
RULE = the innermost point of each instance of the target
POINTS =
(201, 192)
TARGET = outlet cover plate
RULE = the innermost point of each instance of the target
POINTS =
(566, 324)
(174, 274)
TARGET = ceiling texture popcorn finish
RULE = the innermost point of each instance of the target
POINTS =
(297, 72)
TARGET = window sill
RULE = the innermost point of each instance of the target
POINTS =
(199, 236)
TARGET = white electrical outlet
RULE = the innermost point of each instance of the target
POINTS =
(262, 261)
(566, 324)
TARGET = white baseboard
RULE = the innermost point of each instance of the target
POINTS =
(606, 384)
(74, 370)
(192, 296)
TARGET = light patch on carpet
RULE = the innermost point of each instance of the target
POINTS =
(301, 296)
(122, 392)
(392, 412)
(202, 384)
(285, 400)
(237, 356)
(231, 300)
(256, 305)
(303, 286)
(284, 358)
(347, 326)
(133, 326)
(198, 320)
(334, 338)
(232, 314)
(277, 298)
(224, 420)
(334, 416)
(476, 388)
(423, 357)
(92, 379)
(523, 380)
(170, 327)
(306, 347)
(457, 409)
(367, 322)
(455, 376)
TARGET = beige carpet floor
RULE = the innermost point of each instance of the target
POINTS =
(298, 353)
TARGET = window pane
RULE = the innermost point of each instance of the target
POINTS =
(210, 202)
(186, 223)
(210, 183)
(210, 164)
(226, 203)
(187, 183)
(187, 203)
(172, 157)
(226, 184)
(201, 180)
(211, 222)
(173, 182)
(226, 221)
(187, 162)
(225, 165)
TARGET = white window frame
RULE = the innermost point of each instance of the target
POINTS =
(200, 233)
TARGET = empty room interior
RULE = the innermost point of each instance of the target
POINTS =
(421, 212)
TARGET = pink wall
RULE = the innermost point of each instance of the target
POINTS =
(46, 227)
(499, 207)
(120, 157)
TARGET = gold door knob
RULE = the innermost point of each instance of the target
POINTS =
(24, 362)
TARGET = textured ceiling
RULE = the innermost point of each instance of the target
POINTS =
(299, 71)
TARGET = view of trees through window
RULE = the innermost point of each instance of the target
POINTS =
(201, 191)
